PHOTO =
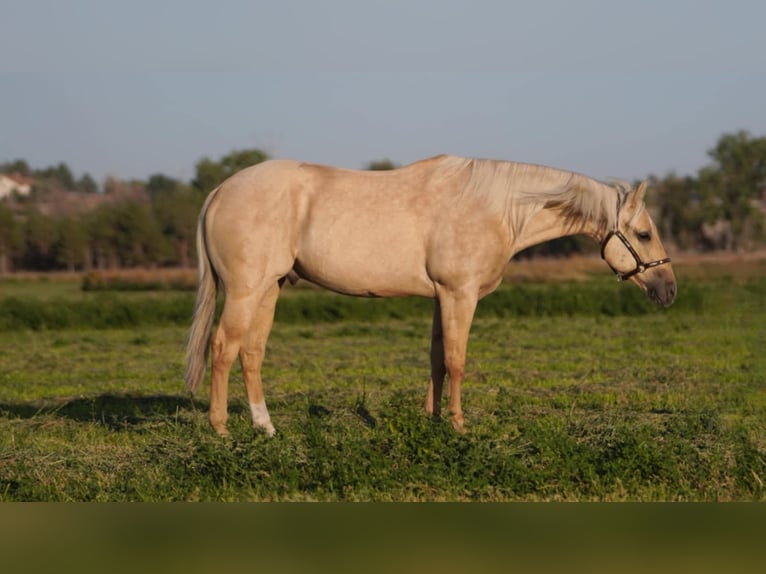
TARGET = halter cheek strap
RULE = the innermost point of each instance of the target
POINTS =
(640, 265)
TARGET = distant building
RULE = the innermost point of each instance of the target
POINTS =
(14, 183)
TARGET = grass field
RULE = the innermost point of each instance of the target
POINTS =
(582, 391)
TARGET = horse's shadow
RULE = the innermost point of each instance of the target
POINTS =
(127, 411)
(116, 411)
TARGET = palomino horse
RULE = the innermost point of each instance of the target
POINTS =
(443, 228)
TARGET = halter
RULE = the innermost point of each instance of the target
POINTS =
(640, 265)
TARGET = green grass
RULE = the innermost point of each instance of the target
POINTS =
(57, 307)
(567, 403)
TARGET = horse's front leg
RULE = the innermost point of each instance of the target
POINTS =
(457, 309)
(438, 368)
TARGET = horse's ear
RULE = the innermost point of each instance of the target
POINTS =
(637, 197)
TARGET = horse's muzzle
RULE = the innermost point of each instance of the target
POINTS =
(662, 291)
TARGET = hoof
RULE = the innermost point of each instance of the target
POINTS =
(457, 423)
(267, 428)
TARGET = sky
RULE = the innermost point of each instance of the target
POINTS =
(609, 88)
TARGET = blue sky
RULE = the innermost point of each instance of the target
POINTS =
(606, 88)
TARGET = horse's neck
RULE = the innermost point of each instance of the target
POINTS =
(534, 223)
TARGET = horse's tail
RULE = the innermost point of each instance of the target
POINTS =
(198, 344)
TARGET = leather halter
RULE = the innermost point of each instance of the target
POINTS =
(640, 265)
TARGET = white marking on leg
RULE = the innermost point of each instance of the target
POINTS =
(261, 417)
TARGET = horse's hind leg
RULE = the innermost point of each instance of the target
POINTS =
(242, 331)
(251, 355)
(227, 340)
(438, 368)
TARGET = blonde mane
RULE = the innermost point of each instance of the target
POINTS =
(575, 196)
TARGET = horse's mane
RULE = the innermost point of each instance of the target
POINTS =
(575, 196)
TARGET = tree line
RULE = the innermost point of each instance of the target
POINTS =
(71, 223)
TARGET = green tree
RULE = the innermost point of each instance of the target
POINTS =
(10, 238)
(60, 175)
(177, 214)
(680, 209)
(100, 226)
(19, 166)
(160, 184)
(86, 184)
(70, 250)
(138, 237)
(734, 184)
(722, 207)
(211, 174)
(381, 165)
(39, 235)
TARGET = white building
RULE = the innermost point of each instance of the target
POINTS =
(11, 182)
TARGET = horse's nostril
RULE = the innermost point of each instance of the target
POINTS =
(670, 294)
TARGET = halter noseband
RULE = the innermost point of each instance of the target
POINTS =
(640, 265)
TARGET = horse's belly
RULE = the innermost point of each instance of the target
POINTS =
(364, 245)
(364, 274)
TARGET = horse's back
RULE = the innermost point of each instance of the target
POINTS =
(276, 176)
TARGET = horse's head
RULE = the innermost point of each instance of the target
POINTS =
(634, 251)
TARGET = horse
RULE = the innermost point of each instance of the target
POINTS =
(442, 228)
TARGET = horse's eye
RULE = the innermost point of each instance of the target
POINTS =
(644, 235)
